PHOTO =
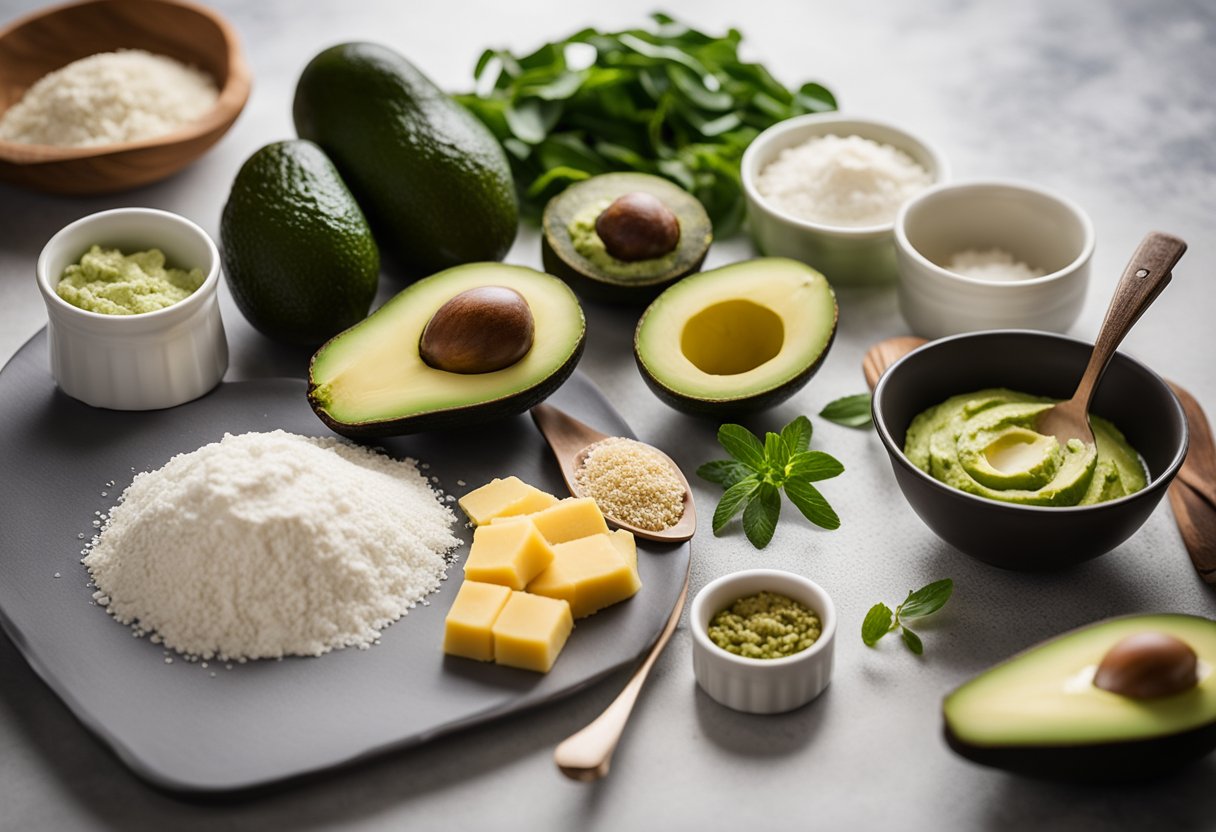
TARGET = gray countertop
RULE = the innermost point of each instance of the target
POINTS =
(1107, 101)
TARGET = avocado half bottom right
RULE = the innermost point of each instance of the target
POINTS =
(1040, 714)
(737, 339)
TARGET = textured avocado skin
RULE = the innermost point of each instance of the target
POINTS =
(434, 182)
(298, 253)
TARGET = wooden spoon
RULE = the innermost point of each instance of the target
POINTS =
(1146, 275)
(885, 353)
(570, 440)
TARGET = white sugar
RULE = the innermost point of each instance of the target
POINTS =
(991, 264)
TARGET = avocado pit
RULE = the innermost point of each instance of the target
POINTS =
(1148, 665)
(479, 330)
(638, 226)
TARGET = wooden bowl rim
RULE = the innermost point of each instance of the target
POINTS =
(231, 100)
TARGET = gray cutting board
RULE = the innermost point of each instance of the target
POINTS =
(176, 725)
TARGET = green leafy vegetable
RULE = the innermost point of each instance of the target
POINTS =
(667, 100)
(758, 473)
(927, 600)
(850, 411)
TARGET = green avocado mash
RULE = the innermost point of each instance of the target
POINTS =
(109, 282)
(588, 244)
(765, 626)
(984, 443)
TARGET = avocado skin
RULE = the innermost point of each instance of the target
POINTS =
(433, 180)
(452, 418)
(298, 254)
(1113, 762)
(743, 406)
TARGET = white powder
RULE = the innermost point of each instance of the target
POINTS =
(269, 544)
(991, 264)
(108, 98)
(841, 180)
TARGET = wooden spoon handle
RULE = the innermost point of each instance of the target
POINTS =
(885, 353)
(1147, 273)
(587, 755)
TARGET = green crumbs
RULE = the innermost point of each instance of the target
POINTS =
(588, 243)
(765, 626)
(109, 282)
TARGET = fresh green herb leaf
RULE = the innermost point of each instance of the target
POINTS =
(850, 411)
(876, 624)
(733, 500)
(755, 477)
(912, 640)
(761, 515)
(743, 445)
(925, 601)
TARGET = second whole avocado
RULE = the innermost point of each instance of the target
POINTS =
(432, 179)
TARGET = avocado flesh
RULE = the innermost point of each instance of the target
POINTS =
(298, 253)
(433, 180)
(736, 339)
(647, 279)
(372, 381)
(1040, 714)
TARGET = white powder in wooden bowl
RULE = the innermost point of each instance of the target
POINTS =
(631, 481)
(841, 180)
(270, 544)
(991, 264)
(108, 98)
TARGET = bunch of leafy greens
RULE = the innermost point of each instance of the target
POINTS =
(667, 100)
(927, 600)
(758, 472)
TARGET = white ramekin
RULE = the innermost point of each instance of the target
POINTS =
(761, 686)
(135, 362)
(1037, 226)
(845, 255)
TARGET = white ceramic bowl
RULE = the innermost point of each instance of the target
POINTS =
(1038, 227)
(761, 686)
(845, 255)
(135, 362)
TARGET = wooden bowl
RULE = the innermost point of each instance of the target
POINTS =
(42, 42)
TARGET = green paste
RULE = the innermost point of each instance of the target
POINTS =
(985, 443)
(113, 283)
(765, 626)
(588, 244)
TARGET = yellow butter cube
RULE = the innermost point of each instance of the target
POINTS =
(467, 630)
(590, 573)
(504, 498)
(628, 547)
(570, 519)
(530, 631)
(509, 554)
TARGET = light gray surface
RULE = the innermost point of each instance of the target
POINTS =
(1109, 102)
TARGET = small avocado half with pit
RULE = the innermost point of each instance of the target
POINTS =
(465, 346)
(624, 237)
(1123, 699)
(737, 339)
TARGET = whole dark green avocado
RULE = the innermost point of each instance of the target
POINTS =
(433, 180)
(298, 253)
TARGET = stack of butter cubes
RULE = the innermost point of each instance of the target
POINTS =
(536, 564)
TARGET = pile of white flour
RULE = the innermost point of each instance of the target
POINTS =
(270, 544)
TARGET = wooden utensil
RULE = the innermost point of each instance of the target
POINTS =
(1147, 273)
(885, 353)
(570, 440)
(44, 41)
(1193, 491)
(587, 755)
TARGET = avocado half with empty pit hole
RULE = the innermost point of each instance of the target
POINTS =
(1123, 699)
(624, 237)
(464, 346)
(737, 339)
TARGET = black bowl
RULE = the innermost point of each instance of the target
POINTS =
(1011, 536)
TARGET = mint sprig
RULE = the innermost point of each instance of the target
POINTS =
(759, 471)
(927, 600)
(850, 411)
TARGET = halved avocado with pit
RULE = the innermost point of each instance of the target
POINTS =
(413, 364)
(572, 248)
(737, 339)
(1114, 701)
